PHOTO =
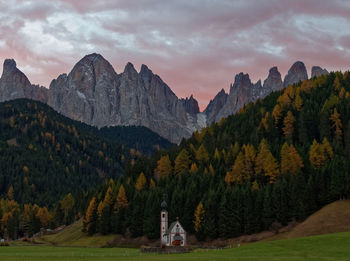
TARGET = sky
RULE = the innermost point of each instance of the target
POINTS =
(196, 47)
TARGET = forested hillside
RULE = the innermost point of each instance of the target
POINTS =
(277, 160)
(48, 163)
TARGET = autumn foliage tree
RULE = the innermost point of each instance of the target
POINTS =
(164, 168)
(266, 164)
(337, 124)
(199, 216)
(182, 162)
(288, 125)
(140, 182)
(320, 153)
(291, 162)
(91, 218)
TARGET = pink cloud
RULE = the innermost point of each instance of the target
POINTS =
(196, 47)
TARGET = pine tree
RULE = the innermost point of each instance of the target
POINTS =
(67, 204)
(151, 218)
(106, 212)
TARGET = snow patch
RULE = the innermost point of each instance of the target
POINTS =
(81, 95)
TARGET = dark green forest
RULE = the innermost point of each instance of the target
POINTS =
(44, 156)
(277, 160)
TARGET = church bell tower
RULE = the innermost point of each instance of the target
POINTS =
(164, 224)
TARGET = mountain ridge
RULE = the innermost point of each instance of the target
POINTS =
(94, 93)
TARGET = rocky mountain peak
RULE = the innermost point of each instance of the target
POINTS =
(295, 74)
(9, 66)
(191, 105)
(130, 70)
(14, 84)
(317, 71)
(273, 81)
(241, 81)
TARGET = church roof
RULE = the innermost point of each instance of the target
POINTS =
(172, 225)
(163, 205)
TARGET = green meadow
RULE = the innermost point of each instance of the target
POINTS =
(324, 247)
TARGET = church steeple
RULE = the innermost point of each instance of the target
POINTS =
(164, 224)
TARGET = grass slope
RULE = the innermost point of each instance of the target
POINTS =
(325, 247)
(332, 218)
(73, 236)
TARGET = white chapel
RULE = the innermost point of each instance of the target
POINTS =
(175, 235)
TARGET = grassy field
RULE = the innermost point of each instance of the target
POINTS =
(73, 236)
(325, 247)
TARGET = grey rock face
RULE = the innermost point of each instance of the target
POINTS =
(88, 93)
(95, 94)
(215, 106)
(273, 81)
(14, 84)
(295, 74)
(191, 105)
(240, 94)
(244, 91)
(317, 71)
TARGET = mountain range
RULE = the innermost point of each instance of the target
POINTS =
(95, 94)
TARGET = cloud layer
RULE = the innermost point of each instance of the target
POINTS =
(196, 46)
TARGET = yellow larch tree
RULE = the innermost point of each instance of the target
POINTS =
(122, 200)
(44, 216)
(277, 113)
(238, 172)
(164, 167)
(316, 155)
(249, 158)
(194, 168)
(199, 215)
(140, 182)
(266, 163)
(202, 154)
(320, 153)
(291, 161)
(288, 127)
(182, 162)
(298, 103)
(337, 124)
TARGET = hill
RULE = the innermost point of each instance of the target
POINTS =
(332, 218)
(44, 155)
